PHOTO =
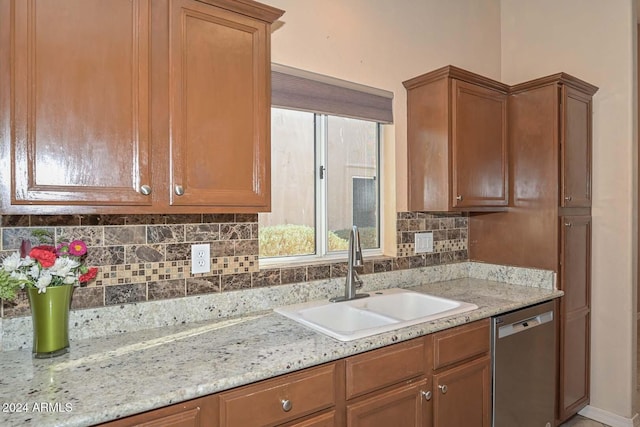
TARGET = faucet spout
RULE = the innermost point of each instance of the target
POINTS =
(354, 259)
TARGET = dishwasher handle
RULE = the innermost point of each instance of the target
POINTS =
(524, 325)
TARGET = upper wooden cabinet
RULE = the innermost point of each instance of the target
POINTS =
(135, 106)
(456, 142)
(575, 148)
(75, 102)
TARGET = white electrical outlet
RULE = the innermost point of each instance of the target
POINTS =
(200, 259)
(424, 242)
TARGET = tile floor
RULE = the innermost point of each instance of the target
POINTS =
(580, 421)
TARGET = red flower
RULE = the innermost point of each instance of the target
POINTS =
(44, 254)
(89, 275)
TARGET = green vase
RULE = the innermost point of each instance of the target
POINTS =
(50, 316)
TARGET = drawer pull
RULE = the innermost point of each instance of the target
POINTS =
(145, 189)
(426, 394)
(443, 388)
(459, 198)
(286, 405)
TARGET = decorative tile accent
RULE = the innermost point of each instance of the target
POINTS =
(238, 264)
(405, 249)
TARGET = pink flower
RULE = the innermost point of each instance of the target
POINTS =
(62, 249)
(77, 248)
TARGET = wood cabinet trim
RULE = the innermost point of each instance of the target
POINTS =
(558, 78)
(249, 8)
(451, 71)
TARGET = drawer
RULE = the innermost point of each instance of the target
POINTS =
(384, 367)
(461, 343)
(266, 403)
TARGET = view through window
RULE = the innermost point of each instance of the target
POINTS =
(324, 179)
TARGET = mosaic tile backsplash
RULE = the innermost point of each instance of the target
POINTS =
(147, 257)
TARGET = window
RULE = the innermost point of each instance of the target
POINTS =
(325, 167)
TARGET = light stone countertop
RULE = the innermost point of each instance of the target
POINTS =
(106, 378)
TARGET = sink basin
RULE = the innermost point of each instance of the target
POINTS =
(340, 318)
(409, 305)
(383, 311)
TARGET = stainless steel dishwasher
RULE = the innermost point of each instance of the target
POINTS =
(524, 367)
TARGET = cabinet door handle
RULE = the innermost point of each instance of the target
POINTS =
(443, 388)
(179, 190)
(286, 405)
(568, 224)
(145, 189)
(568, 198)
(459, 198)
(426, 394)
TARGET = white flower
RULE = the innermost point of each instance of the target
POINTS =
(70, 279)
(11, 262)
(64, 266)
(27, 261)
(34, 271)
(43, 281)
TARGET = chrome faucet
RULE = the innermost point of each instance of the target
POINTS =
(354, 259)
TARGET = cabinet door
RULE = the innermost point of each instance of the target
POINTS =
(462, 395)
(79, 91)
(219, 108)
(575, 148)
(479, 146)
(403, 406)
(575, 314)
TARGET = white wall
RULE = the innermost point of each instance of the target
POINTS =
(382, 43)
(595, 41)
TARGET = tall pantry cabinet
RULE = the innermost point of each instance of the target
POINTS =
(548, 223)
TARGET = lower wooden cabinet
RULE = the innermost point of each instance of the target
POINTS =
(462, 395)
(439, 380)
(462, 376)
(403, 405)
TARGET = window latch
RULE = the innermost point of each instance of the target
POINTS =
(321, 172)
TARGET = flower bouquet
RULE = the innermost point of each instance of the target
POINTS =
(49, 274)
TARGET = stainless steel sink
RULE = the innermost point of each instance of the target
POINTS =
(383, 311)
